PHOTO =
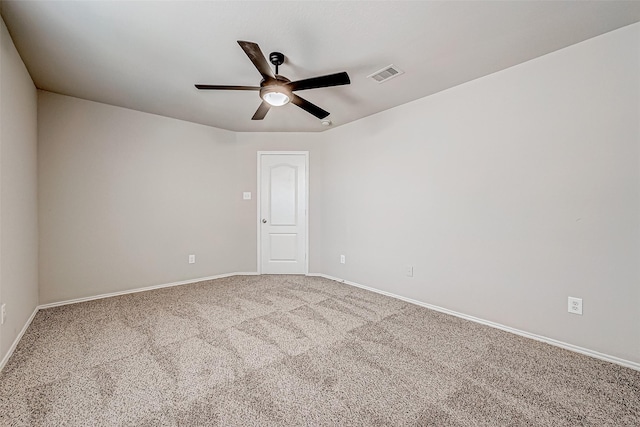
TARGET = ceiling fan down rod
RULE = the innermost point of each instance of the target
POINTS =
(276, 59)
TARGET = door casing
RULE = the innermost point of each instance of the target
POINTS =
(259, 206)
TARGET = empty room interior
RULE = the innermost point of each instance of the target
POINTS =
(285, 213)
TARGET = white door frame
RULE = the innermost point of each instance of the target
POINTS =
(306, 207)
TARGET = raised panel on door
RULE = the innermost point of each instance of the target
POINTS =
(283, 195)
(283, 247)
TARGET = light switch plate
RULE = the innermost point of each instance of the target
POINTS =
(246, 195)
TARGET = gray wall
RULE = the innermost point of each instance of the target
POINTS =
(18, 192)
(126, 196)
(507, 194)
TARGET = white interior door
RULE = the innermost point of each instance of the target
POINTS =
(283, 213)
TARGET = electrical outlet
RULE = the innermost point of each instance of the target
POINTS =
(192, 259)
(575, 305)
(408, 270)
(246, 195)
(3, 313)
(343, 259)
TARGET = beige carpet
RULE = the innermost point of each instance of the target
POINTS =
(293, 350)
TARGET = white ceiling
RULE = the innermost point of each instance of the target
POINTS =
(148, 55)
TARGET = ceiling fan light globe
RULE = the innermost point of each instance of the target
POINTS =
(276, 99)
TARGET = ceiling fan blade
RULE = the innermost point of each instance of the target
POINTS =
(262, 111)
(257, 57)
(336, 79)
(309, 107)
(222, 87)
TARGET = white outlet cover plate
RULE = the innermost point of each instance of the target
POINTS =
(246, 195)
(575, 305)
(192, 259)
(343, 259)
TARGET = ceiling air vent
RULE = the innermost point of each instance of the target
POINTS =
(387, 73)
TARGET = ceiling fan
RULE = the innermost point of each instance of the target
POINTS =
(276, 90)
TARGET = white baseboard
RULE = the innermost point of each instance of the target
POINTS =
(7, 356)
(566, 346)
(147, 288)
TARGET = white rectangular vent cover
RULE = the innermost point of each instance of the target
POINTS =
(387, 73)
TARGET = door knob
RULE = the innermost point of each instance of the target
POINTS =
(264, 221)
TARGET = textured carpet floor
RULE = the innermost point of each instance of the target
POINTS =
(293, 350)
